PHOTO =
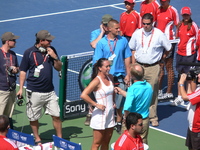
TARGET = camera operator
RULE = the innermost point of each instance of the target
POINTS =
(187, 31)
(193, 96)
(9, 67)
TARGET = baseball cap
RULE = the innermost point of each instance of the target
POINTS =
(106, 18)
(130, 1)
(186, 10)
(8, 36)
(44, 35)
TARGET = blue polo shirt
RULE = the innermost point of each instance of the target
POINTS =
(138, 98)
(121, 50)
(44, 82)
(94, 34)
(4, 83)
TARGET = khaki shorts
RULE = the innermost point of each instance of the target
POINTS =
(7, 101)
(36, 101)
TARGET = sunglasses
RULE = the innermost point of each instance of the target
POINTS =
(13, 40)
(146, 23)
(141, 124)
(48, 40)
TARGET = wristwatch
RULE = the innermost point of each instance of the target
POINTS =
(181, 84)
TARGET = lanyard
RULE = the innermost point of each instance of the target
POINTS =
(34, 56)
(115, 42)
(149, 40)
(7, 63)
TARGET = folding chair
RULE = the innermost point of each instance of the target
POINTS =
(21, 137)
(65, 144)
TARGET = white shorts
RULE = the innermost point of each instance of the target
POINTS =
(36, 101)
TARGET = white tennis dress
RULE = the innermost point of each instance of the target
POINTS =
(103, 119)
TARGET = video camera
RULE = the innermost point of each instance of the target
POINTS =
(194, 70)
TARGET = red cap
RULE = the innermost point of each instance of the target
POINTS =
(130, 1)
(186, 10)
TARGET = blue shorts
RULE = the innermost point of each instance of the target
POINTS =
(184, 68)
(119, 99)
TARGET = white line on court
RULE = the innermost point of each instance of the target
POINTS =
(167, 132)
(64, 12)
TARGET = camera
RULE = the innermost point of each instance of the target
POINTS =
(9, 71)
(193, 72)
(20, 100)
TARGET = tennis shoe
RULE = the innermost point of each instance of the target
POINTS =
(177, 101)
(160, 94)
(168, 95)
(88, 118)
(118, 127)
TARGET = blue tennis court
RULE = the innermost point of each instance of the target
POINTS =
(71, 22)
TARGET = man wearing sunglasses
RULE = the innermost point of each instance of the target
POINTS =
(39, 61)
(147, 45)
(131, 139)
(9, 67)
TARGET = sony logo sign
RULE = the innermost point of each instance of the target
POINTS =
(75, 108)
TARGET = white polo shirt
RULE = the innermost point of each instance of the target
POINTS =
(149, 46)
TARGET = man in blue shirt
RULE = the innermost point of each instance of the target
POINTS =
(38, 61)
(97, 34)
(138, 97)
(9, 67)
(116, 49)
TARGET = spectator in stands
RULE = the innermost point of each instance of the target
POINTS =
(102, 121)
(167, 18)
(187, 32)
(138, 98)
(129, 20)
(116, 49)
(193, 96)
(6, 144)
(149, 6)
(38, 61)
(97, 35)
(9, 67)
(130, 139)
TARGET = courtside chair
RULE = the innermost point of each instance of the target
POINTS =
(21, 137)
(65, 144)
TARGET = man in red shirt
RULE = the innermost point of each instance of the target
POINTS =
(131, 139)
(149, 6)
(167, 18)
(6, 144)
(129, 20)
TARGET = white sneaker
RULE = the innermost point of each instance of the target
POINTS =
(178, 101)
(160, 94)
(168, 95)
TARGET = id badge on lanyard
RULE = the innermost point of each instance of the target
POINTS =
(39, 67)
(111, 58)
